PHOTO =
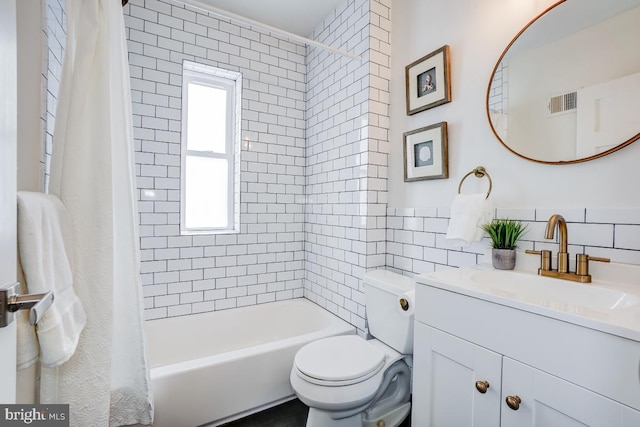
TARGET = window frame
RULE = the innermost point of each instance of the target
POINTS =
(231, 82)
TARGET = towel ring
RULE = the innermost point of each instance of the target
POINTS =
(479, 172)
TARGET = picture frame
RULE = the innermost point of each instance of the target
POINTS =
(428, 81)
(426, 153)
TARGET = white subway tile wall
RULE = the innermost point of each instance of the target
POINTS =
(265, 261)
(498, 96)
(611, 233)
(347, 149)
(315, 132)
(54, 38)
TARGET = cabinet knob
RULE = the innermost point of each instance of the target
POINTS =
(482, 386)
(513, 402)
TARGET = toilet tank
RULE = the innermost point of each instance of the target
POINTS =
(388, 322)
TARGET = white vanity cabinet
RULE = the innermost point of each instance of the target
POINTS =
(554, 373)
(547, 400)
(445, 372)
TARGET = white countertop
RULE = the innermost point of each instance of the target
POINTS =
(611, 306)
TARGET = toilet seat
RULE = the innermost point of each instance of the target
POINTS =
(339, 361)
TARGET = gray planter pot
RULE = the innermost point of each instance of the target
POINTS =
(503, 259)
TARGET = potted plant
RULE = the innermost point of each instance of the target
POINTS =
(504, 234)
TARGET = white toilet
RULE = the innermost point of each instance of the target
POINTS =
(348, 381)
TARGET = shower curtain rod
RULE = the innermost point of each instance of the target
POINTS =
(198, 4)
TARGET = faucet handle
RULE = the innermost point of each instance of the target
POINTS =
(582, 263)
(545, 258)
(596, 258)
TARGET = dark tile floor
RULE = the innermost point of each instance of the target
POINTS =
(288, 414)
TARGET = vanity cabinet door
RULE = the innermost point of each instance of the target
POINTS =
(545, 400)
(630, 417)
(445, 371)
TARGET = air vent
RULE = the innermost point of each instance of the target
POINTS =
(563, 103)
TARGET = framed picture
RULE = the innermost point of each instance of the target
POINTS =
(427, 80)
(425, 153)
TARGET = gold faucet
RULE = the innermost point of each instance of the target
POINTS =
(563, 255)
(582, 260)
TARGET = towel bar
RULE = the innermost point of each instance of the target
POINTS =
(479, 172)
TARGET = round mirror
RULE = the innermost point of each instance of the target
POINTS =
(567, 87)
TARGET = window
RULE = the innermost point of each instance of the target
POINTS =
(210, 150)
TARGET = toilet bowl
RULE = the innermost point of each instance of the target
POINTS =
(348, 381)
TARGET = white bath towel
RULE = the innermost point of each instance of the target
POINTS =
(44, 243)
(469, 212)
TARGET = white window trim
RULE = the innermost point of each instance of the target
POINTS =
(232, 82)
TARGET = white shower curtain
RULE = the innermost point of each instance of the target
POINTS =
(107, 381)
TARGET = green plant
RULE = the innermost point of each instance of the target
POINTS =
(504, 232)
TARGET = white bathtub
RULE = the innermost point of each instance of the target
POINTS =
(212, 368)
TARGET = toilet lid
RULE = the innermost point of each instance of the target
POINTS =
(340, 359)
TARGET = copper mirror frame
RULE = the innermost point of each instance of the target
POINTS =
(488, 94)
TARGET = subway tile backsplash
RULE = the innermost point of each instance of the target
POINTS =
(610, 233)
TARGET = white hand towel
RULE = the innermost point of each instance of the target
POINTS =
(44, 243)
(469, 212)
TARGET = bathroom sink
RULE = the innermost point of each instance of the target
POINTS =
(553, 293)
(610, 303)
